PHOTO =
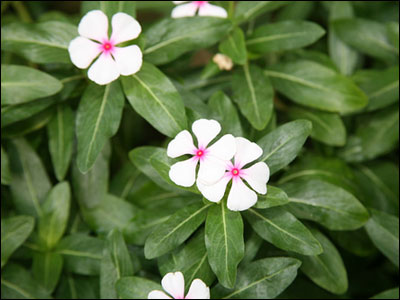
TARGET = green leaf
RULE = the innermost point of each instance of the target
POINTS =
(368, 37)
(116, 263)
(61, 140)
(375, 135)
(46, 269)
(224, 242)
(153, 96)
(175, 230)
(383, 229)
(325, 203)
(388, 294)
(166, 41)
(14, 231)
(327, 269)
(381, 87)
(78, 287)
(20, 84)
(135, 287)
(317, 87)
(262, 279)
(252, 91)
(251, 248)
(126, 181)
(285, 35)
(355, 241)
(282, 145)
(248, 10)
(225, 112)
(30, 183)
(283, 230)
(5, 168)
(234, 46)
(97, 119)
(82, 253)
(393, 34)
(274, 197)
(327, 128)
(45, 42)
(300, 10)
(17, 283)
(53, 222)
(191, 260)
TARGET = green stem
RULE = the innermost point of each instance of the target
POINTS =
(231, 9)
(22, 11)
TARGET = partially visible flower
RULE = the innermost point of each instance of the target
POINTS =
(204, 8)
(93, 40)
(174, 285)
(212, 158)
(240, 197)
(223, 62)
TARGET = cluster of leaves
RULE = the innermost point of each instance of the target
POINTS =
(88, 209)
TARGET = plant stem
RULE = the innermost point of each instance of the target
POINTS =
(22, 11)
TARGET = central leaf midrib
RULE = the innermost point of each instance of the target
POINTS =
(274, 37)
(252, 91)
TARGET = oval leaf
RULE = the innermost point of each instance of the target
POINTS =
(136, 287)
(234, 46)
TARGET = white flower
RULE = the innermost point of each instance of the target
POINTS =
(174, 285)
(204, 8)
(240, 197)
(213, 159)
(93, 40)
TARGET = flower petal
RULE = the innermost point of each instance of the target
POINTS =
(198, 290)
(82, 51)
(205, 131)
(178, 2)
(210, 10)
(158, 295)
(124, 28)
(104, 70)
(94, 25)
(181, 144)
(129, 59)
(184, 10)
(240, 197)
(246, 152)
(224, 148)
(211, 170)
(183, 173)
(215, 192)
(257, 177)
(174, 284)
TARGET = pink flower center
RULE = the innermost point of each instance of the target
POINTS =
(199, 153)
(200, 3)
(235, 172)
(107, 47)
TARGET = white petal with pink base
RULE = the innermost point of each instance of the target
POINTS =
(204, 8)
(94, 42)
(174, 285)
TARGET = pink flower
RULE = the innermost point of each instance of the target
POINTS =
(174, 285)
(190, 9)
(93, 42)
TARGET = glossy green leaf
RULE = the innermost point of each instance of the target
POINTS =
(175, 230)
(46, 269)
(311, 84)
(252, 91)
(224, 243)
(383, 229)
(78, 286)
(283, 230)
(135, 287)
(388, 294)
(166, 41)
(281, 146)
(262, 279)
(325, 203)
(367, 36)
(153, 96)
(20, 84)
(327, 128)
(248, 10)
(45, 42)
(393, 34)
(14, 231)
(5, 168)
(53, 222)
(234, 46)
(274, 197)
(299, 10)
(82, 253)
(97, 119)
(327, 269)
(30, 183)
(251, 248)
(285, 35)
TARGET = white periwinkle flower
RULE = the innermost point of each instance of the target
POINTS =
(94, 41)
(240, 197)
(174, 285)
(213, 159)
(205, 9)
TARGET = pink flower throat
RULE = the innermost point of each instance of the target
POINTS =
(107, 47)
(200, 3)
